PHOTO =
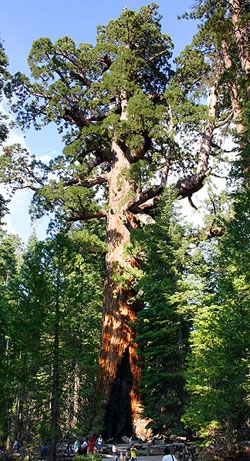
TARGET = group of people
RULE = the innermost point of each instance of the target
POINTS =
(168, 456)
(93, 443)
(82, 447)
(132, 452)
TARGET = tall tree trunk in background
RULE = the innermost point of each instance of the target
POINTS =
(75, 397)
(241, 33)
(237, 107)
(234, 93)
(189, 185)
(55, 375)
(54, 402)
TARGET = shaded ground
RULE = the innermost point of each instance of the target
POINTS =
(141, 458)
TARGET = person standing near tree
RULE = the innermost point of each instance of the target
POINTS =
(16, 445)
(99, 444)
(69, 450)
(84, 447)
(168, 456)
(76, 446)
(115, 451)
(44, 450)
(133, 453)
(91, 443)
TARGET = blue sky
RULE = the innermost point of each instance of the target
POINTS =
(24, 21)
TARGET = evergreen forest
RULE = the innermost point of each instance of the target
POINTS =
(129, 319)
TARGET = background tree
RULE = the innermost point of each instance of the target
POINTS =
(218, 365)
(53, 333)
(10, 251)
(162, 328)
(4, 75)
(216, 370)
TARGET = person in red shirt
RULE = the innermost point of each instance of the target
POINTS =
(91, 443)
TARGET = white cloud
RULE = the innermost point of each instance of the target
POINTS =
(18, 221)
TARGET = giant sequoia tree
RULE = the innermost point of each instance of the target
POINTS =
(118, 114)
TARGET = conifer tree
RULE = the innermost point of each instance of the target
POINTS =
(69, 307)
(50, 335)
(217, 372)
(3, 118)
(218, 364)
(162, 327)
(119, 116)
(10, 251)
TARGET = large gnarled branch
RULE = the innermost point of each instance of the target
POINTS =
(188, 186)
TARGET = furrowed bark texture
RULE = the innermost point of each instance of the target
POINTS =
(120, 374)
(234, 93)
(188, 186)
(241, 34)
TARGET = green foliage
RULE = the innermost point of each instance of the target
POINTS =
(10, 253)
(123, 91)
(218, 364)
(162, 330)
(3, 78)
(81, 89)
(91, 456)
(4, 130)
(57, 292)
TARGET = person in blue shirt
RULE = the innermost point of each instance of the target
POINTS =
(16, 445)
(76, 445)
(44, 450)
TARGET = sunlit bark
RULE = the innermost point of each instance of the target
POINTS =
(188, 186)
(234, 93)
(241, 34)
(119, 309)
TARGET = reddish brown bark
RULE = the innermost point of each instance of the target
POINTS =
(234, 94)
(119, 309)
(241, 34)
(188, 186)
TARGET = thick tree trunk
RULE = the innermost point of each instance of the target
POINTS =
(118, 350)
(241, 34)
(188, 186)
(234, 94)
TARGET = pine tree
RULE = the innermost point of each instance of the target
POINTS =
(52, 329)
(162, 327)
(4, 75)
(217, 368)
(10, 251)
(218, 365)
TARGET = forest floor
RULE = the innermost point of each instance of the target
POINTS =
(150, 458)
(144, 458)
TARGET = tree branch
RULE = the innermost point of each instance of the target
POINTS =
(89, 182)
(188, 186)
